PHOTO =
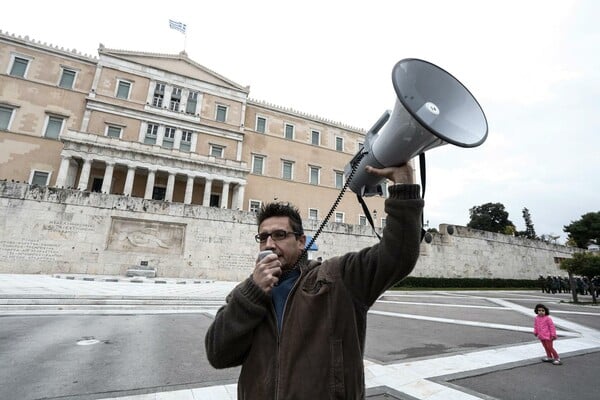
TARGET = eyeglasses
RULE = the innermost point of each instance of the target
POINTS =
(276, 235)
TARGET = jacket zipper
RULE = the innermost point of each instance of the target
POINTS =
(292, 290)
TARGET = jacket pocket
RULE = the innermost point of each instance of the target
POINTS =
(337, 369)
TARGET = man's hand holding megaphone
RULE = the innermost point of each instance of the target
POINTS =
(402, 174)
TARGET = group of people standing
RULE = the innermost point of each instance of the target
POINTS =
(558, 284)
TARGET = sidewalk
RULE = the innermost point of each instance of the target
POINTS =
(14, 285)
(434, 315)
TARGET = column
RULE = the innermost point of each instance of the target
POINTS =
(238, 154)
(107, 180)
(207, 192)
(194, 142)
(167, 98)
(128, 189)
(160, 135)
(84, 177)
(189, 190)
(237, 202)
(225, 195)
(150, 184)
(170, 186)
(177, 141)
(61, 178)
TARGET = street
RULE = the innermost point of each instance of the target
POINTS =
(76, 339)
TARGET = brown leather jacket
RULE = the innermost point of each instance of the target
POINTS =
(319, 352)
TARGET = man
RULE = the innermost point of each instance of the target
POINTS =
(299, 332)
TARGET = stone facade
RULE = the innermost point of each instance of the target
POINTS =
(51, 230)
(164, 127)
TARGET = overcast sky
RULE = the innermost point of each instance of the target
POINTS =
(534, 66)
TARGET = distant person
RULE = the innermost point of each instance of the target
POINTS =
(296, 326)
(542, 283)
(545, 330)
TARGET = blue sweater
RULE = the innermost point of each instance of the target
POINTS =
(281, 291)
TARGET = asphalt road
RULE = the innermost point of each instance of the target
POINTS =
(478, 345)
(98, 356)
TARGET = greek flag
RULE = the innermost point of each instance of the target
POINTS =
(179, 26)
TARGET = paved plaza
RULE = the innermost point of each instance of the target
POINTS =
(435, 345)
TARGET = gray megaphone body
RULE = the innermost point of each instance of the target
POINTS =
(432, 109)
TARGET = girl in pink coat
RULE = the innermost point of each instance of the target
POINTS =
(544, 329)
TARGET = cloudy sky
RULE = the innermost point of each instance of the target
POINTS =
(534, 66)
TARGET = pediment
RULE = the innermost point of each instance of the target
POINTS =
(179, 64)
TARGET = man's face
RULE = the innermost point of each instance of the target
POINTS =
(287, 249)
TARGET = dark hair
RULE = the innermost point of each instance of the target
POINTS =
(281, 210)
(541, 306)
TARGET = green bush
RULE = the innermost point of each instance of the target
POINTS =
(467, 283)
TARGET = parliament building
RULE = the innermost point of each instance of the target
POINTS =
(165, 127)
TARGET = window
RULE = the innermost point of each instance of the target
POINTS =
(287, 170)
(339, 179)
(5, 117)
(169, 137)
(362, 220)
(53, 127)
(313, 214)
(67, 79)
(261, 124)
(339, 143)
(186, 141)
(113, 131)
(339, 217)
(254, 206)
(159, 95)
(314, 173)
(289, 131)
(159, 193)
(258, 164)
(19, 67)
(217, 151)
(315, 137)
(215, 200)
(151, 133)
(221, 113)
(39, 178)
(97, 185)
(123, 88)
(175, 99)
(192, 103)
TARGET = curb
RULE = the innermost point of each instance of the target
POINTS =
(137, 279)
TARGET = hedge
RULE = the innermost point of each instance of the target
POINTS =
(465, 283)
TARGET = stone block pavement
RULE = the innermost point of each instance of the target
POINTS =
(447, 374)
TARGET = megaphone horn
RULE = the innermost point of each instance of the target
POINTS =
(432, 109)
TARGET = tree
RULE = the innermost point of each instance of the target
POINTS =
(585, 264)
(549, 238)
(491, 217)
(529, 231)
(585, 230)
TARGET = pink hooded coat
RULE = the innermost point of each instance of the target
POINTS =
(544, 328)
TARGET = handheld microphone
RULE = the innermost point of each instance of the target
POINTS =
(263, 254)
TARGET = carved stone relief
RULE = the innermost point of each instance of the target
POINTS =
(145, 236)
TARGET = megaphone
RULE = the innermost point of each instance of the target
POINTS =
(432, 109)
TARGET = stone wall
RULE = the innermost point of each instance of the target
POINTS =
(49, 230)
